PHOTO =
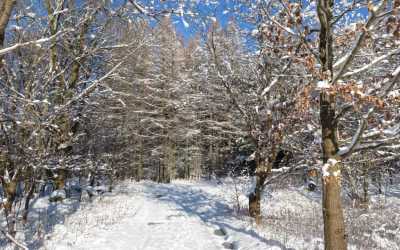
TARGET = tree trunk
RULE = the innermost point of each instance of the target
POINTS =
(262, 171)
(9, 184)
(6, 8)
(10, 189)
(255, 199)
(334, 228)
(365, 199)
(111, 181)
(27, 201)
(60, 178)
(140, 166)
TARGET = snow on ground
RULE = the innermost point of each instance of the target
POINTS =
(147, 215)
(139, 219)
(207, 215)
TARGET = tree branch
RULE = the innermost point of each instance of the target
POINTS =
(35, 42)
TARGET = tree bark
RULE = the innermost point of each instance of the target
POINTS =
(10, 189)
(365, 198)
(140, 166)
(60, 178)
(6, 8)
(255, 199)
(9, 182)
(334, 228)
(263, 169)
(27, 201)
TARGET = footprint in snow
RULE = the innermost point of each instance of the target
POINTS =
(154, 223)
(229, 245)
(169, 217)
(220, 231)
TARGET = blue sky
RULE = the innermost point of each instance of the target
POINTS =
(191, 17)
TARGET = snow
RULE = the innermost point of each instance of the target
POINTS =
(268, 88)
(323, 84)
(254, 32)
(16, 27)
(185, 23)
(122, 102)
(396, 71)
(58, 194)
(325, 168)
(57, 12)
(394, 93)
(31, 14)
(151, 217)
(340, 61)
(138, 7)
(205, 215)
(374, 62)
(252, 188)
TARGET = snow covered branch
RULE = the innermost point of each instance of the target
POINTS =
(345, 61)
(35, 42)
(372, 63)
(347, 150)
(12, 239)
(395, 79)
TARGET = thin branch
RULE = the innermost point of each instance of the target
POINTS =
(35, 42)
(390, 85)
(93, 86)
(11, 238)
(372, 63)
(346, 61)
(281, 173)
(348, 150)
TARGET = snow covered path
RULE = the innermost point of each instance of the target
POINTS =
(154, 217)
(156, 225)
(176, 216)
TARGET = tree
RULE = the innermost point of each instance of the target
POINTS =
(41, 98)
(330, 74)
(257, 86)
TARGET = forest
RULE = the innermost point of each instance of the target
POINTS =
(264, 124)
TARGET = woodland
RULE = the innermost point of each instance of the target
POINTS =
(269, 94)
